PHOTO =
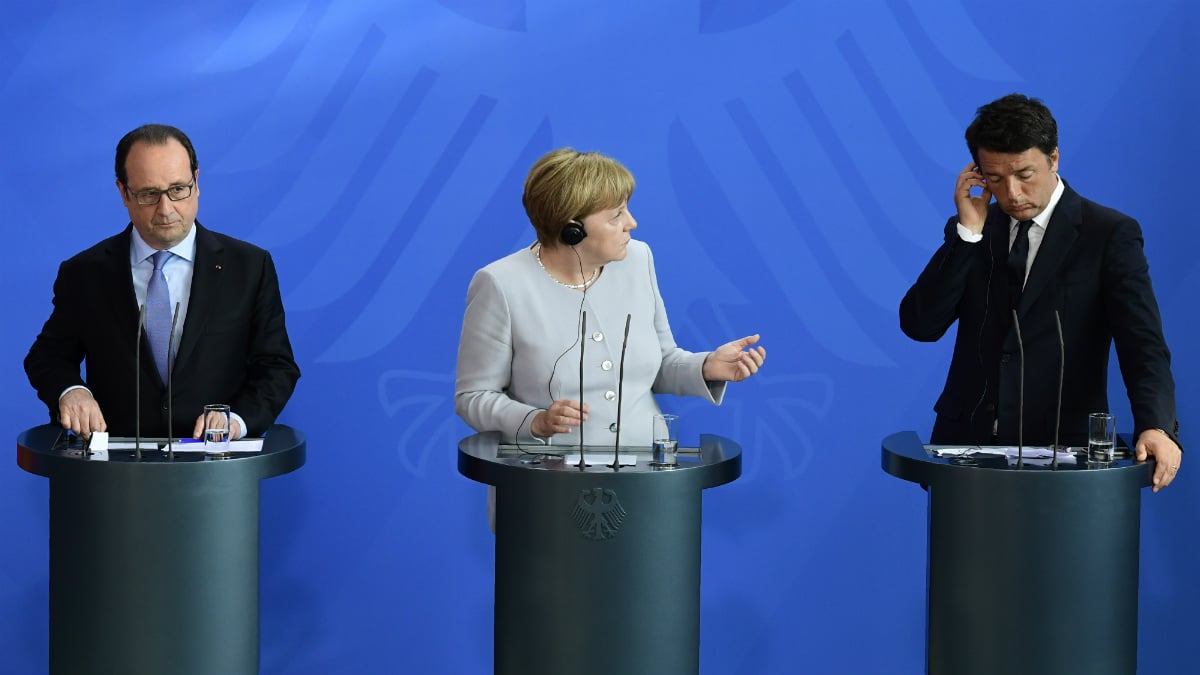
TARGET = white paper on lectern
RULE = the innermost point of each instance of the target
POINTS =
(246, 445)
(191, 445)
(1045, 460)
(99, 442)
(130, 445)
(243, 445)
(597, 459)
(1011, 452)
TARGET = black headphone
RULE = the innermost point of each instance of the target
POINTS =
(572, 233)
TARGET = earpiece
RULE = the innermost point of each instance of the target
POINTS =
(572, 233)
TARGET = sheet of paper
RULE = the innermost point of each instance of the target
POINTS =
(243, 445)
(99, 442)
(190, 445)
(130, 445)
(600, 459)
(1007, 451)
(1063, 458)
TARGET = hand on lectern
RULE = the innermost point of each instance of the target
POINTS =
(79, 412)
(559, 418)
(235, 429)
(734, 361)
(1167, 456)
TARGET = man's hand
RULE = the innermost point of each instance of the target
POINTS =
(79, 412)
(1167, 456)
(235, 429)
(972, 211)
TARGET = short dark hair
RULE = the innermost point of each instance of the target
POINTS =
(1012, 124)
(154, 134)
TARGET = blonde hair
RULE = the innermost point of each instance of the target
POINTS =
(566, 185)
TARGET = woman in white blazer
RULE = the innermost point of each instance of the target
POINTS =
(518, 356)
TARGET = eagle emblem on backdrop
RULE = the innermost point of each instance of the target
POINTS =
(598, 513)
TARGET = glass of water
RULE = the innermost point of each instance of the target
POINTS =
(216, 429)
(1102, 437)
(665, 440)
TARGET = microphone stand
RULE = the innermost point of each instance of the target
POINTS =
(170, 391)
(1020, 397)
(1062, 363)
(582, 341)
(616, 465)
(137, 385)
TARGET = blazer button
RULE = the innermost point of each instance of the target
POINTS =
(613, 427)
(991, 407)
(598, 336)
(610, 395)
(607, 365)
(1004, 359)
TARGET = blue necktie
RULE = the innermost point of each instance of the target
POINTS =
(158, 314)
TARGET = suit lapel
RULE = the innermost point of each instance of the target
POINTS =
(123, 308)
(206, 284)
(996, 230)
(1060, 237)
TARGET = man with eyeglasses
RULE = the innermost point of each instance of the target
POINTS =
(209, 304)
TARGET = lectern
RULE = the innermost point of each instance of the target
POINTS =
(597, 569)
(154, 563)
(1031, 570)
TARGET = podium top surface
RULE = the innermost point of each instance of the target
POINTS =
(906, 457)
(483, 458)
(43, 451)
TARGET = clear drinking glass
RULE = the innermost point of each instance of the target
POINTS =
(665, 440)
(1102, 437)
(216, 429)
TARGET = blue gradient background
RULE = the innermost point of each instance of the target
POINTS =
(795, 162)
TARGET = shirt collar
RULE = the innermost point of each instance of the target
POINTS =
(139, 250)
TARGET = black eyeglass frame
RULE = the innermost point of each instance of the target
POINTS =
(157, 194)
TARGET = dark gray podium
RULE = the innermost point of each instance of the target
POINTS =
(154, 563)
(1031, 571)
(597, 571)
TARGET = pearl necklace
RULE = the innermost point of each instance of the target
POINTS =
(537, 253)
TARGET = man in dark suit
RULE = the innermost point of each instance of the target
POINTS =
(1047, 254)
(229, 344)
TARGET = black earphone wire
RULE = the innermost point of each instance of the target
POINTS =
(554, 368)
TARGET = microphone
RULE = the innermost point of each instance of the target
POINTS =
(616, 465)
(137, 385)
(1062, 364)
(582, 341)
(1020, 396)
(170, 371)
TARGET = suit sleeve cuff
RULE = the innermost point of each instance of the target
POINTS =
(70, 389)
(241, 424)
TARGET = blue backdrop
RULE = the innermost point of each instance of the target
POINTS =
(795, 163)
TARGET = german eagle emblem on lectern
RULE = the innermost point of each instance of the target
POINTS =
(598, 513)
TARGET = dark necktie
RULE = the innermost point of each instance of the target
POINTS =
(158, 314)
(1018, 255)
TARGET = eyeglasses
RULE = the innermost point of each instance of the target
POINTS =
(174, 193)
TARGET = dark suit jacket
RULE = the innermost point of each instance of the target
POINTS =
(234, 348)
(1091, 269)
